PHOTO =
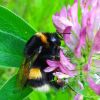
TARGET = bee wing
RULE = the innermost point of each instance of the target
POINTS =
(23, 72)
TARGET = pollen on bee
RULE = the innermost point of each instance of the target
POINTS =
(35, 73)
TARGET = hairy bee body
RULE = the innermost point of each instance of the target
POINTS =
(38, 50)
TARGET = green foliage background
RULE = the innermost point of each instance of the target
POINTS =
(38, 13)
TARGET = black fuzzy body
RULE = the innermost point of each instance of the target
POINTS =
(50, 51)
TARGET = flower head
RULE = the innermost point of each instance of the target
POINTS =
(82, 41)
(67, 22)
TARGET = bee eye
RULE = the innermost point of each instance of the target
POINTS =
(53, 39)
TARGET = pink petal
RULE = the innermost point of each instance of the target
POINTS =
(86, 4)
(96, 44)
(86, 68)
(83, 37)
(77, 51)
(53, 63)
(94, 86)
(63, 12)
(65, 62)
(61, 23)
(97, 65)
(81, 85)
(78, 97)
(72, 14)
(81, 43)
(70, 40)
(63, 69)
(66, 71)
(97, 19)
(88, 22)
(57, 14)
(94, 3)
(67, 29)
(49, 69)
(61, 75)
(67, 38)
(75, 1)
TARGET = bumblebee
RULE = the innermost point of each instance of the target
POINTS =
(38, 49)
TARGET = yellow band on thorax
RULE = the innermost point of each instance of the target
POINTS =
(42, 36)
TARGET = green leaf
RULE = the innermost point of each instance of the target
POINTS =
(63, 95)
(51, 95)
(14, 32)
(37, 96)
(10, 91)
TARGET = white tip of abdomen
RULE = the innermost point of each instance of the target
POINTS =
(43, 88)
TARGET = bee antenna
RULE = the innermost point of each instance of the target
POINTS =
(60, 36)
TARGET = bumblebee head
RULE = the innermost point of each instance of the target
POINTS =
(53, 39)
(54, 42)
(49, 38)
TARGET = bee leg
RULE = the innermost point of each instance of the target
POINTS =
(53, 83)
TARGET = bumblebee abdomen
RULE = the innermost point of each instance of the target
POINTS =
(35, 73)
(36, 77)
(36, 82)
